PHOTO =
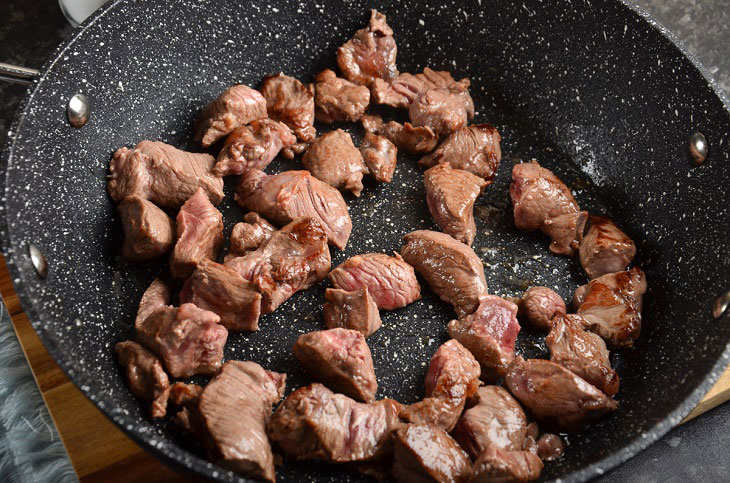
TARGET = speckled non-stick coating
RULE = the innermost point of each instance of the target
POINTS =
(593, 90)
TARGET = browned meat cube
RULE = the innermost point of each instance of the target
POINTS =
(334, 159)
(539, 305)
(370, 54)
(444, 109)
(355, 310)
(472, 148)
(236, 106)
(156, 296)
(605, 248)
(148, 231)
(162, 174)
(402, 91)
(185, 395)
(253, 146)
(199, 235)
(338, 99)
(246, 237)
(290, 102)
(496, 464)
(424, 452)
(405, 136)
(146, 378)
(550, 447)
(380, 156)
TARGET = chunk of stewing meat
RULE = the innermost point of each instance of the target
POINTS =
(474, 148)
(424, 452)
(391, 281)
(252, 146)
(605, 248)
(148, 231)
(236, 106)
(550, 447)
(611, 304)
(490, 334)
(199, 235)
(156, 296)
(354, 310)
(370, 54)
(162, 174)
(495, 464)
(450, 195)
(146, 378)
(340, 359)
(539, 305)
(556, 396)
(583, 353)
(246, 237)
(444, 109)
(338, 99)
(497, 419)
(290, 102)
(380, 156)
(294, 258)
(334, 159)
(287, 196)
(185, 395)
(402, 91)
(542, 202)
(315, 423)
(405, 136)
(452, 378)
(452, 269)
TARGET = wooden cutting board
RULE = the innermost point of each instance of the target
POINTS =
(101, 452)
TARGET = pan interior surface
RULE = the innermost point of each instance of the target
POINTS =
(591, 90)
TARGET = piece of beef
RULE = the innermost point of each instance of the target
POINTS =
(156, 296)
(452, 269)
(405, 136)
(236, 106)
(185, 395)
(148, 231)
(370, 54)
(452, 378)
(340, 359)
(380, 156)
(354, 310)
(199, 235)
(605, 248)
(246, 237)
(290, 102)
(450, 195)
(555, 395)
(583, 353)
(444, 109)
(294, 258)
(146, 378)
(542, 202)
(490, 334)
(424, 452)
(539, 305)
(499, 465)
(338, 99)
(315, 423)
(391, 282)
(402, 91)
(550, 447)
(287, 196)
(472, 148)
(334, 159)
(611, 304)
(252, 146)
(162, 174)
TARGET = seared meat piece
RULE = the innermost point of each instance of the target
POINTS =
(496, 464)
(539, 305)
(550, 447)
(237, 106)
(444, 110)
(424, 452)
(370, 53)
(162, 174)
(391, 282)
(146, 378)
(453, 271)
(380, 156)
(185, 395)
(542, 202)
(287, 196)
(472, 148)
(354, 310)
(581, 352)
(605, 248)
(333, 159)
(339, 358)
(497, 419)
(290, 102)
(199, 235)
(222, 290)
(253, 146)
(405, 136)
(338, 99)
(452, 378)
(148, 231)
(315, 423)
(407, 87)
(555, 395)
(156, 296)
(611, 304)
(450, 194)
(294, 258)
(489, 333)
(248, 236)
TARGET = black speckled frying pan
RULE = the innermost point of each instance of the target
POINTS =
(596, 91)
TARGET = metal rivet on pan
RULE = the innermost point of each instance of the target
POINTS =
(78, 110)
(721, 304)
(38, 260)
(698, 147)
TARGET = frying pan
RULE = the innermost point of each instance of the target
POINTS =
(596, 91)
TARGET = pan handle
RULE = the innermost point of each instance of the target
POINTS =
(17, 74)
